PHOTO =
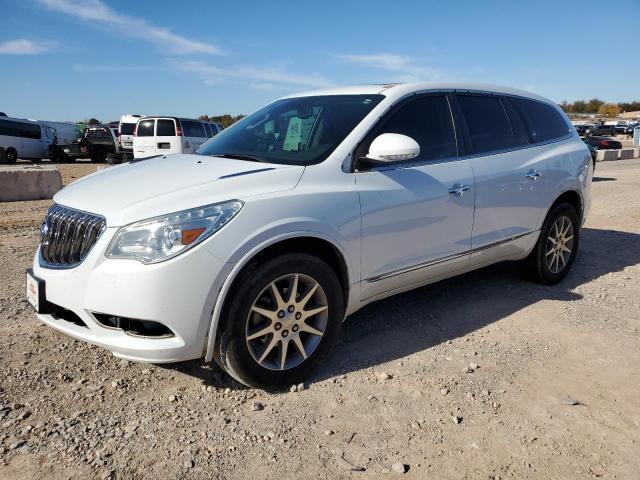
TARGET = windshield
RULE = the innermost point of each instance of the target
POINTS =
(297, 131)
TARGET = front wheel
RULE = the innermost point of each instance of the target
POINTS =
(557, 246)
(281, 321)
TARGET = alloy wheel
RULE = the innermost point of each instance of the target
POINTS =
(287, 321)
(559, 244)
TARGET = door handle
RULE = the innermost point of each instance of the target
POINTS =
(533, 174)
(458, 189)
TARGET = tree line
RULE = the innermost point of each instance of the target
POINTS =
(595, 105)
(225, 120)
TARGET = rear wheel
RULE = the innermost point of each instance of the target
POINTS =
(99, 156)
(557, 246)
(11, 155)
(284, 316)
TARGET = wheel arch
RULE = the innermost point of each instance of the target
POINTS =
(573, 198)
(302, 242)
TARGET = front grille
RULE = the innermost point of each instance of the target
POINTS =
(67, 236)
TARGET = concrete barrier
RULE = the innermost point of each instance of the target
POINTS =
(636, 152)
(32, 182)
(626, 153)
(606, 155)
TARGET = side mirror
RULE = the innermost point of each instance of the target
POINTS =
(393, 147)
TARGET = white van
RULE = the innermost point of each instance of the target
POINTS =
(26, 139)
(165, 135)
(125, 132)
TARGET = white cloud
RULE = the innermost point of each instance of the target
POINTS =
(98, 13)
(258, 76)
(22, 47)
(82, 68)
(406, 67)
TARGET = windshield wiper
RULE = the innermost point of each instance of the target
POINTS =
(238, 156)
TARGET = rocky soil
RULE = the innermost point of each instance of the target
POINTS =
(484, 376)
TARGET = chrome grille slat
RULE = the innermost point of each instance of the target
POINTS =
(68, 236)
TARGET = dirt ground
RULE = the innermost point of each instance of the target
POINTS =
(483, 376)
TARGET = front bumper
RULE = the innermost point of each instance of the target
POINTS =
(179, 293)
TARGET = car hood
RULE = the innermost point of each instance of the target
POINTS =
(156, 186)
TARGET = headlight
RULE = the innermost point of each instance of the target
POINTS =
(160, 238)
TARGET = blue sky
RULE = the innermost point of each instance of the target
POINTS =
(74, 59)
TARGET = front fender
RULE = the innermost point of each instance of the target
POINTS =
(264, 238)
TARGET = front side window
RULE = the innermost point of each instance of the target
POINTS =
(296, 131)
(166, 128)
(543, 121)
(428, 121)
(487, 123)
(145, 128)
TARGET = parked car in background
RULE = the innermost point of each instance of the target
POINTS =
(630, 128)
(601, 130)
(125, 130)
(96, 143)
(253, 251)
(582, 129)
(602, 143)
(168, 135)
(216, 128)
(27, 139)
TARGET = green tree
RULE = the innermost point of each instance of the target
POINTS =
(594, 105)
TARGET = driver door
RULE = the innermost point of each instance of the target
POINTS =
(417, 216)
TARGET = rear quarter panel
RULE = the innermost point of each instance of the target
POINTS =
(570, 168)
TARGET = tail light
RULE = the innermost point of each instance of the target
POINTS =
(178, 128)
(604, 143)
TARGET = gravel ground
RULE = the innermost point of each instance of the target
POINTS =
(481, 376)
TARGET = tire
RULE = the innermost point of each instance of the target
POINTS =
(11, 155)
(113, 159)
(257, 362)
(99, 156)
(547, 263)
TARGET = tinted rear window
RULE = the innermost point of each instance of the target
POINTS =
(145, 128)
(517, 124)
(191, 128)
(487, 123)
(166, 128)
(127, 128)
(542, 120)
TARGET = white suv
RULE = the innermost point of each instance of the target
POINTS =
(253, 250)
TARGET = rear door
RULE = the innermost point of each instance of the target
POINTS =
(511, 179)
(144, 144)
(166, 140)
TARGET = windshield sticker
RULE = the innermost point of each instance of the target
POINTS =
(292, 139)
